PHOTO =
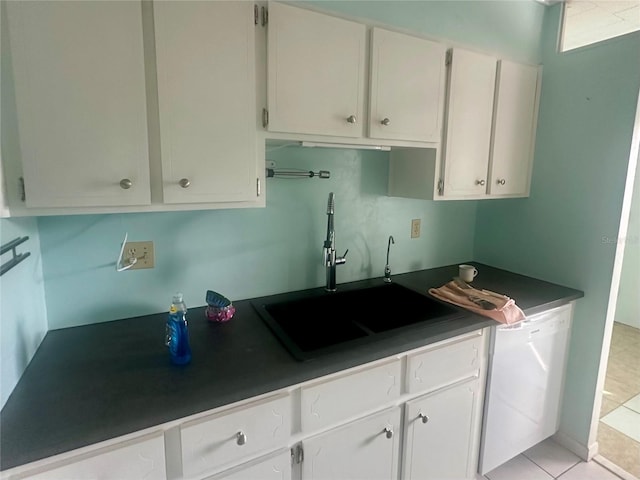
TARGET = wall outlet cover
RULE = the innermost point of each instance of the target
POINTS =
(415, 228)
(142, 252)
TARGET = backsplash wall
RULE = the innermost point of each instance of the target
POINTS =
(249, 252)
(23, 316)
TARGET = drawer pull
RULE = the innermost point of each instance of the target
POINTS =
(388, 431)
(241, 438)
(423, 417)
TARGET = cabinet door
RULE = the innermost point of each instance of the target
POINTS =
(441, 434)
(407, 87)
(316, 73)
(360, 450)
(468, 129)
(514, 129)
(273, 468)
(79, 79)
(205, 54)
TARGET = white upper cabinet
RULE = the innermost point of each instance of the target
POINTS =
(316, 73)
(514, 129)
(472, 79)
(205, 54)
(406, 87)
(78, 72)
(489, 137)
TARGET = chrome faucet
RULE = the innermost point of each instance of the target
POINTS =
(330, 258)
(387, 269)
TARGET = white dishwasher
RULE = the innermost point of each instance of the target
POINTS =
(524, 385)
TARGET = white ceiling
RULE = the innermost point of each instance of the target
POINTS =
(589, 21)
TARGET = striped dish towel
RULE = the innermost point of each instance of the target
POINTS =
(506, 310)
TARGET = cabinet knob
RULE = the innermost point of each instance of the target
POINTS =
(480, 182)
(126, 184)
(185, 182)
(501, 181)
(388, 432)
(385, 122)
(423, 417)
(352, 119)
(241, 438)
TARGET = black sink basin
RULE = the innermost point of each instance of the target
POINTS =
(319, 322)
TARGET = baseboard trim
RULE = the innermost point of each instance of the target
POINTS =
(584, 452)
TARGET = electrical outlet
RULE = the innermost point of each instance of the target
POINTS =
(142, 252)
(415, 228)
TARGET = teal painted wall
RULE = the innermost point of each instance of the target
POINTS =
(628, 306)
(565, 232)
(23, 314)
(250, 252)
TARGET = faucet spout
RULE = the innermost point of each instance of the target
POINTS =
(387, 268)
(331, 260)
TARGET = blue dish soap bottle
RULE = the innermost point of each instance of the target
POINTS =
(177, 334)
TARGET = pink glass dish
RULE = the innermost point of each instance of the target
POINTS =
(220, 314)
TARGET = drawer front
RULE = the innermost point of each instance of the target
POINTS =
(136, 459)
(335, 400)
(228, 437)
(445, 364)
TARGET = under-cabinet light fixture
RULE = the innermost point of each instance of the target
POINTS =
(383, 148)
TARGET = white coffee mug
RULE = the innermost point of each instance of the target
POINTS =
(467, 272)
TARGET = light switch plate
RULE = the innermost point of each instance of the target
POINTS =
(142, 252)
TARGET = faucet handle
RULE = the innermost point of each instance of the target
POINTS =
(341, 260)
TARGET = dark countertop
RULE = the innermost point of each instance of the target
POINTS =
(96, 382)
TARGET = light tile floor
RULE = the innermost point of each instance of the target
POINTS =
(549, 461)
(619, 427)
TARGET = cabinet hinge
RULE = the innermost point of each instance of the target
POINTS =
(23, 191)
(448, 58)
(297, 454)
(258, 187)
(265, 16)
(440, 187)
(255, 14)
(265, 117)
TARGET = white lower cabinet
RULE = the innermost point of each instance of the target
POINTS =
(347, 425)
(275, 467)
(441, 434)
(365, 449)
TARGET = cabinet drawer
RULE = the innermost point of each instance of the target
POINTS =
(445, 364)
(338, 399)
(222, 439)
(135, 459)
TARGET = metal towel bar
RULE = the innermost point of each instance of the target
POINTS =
(17, 257)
